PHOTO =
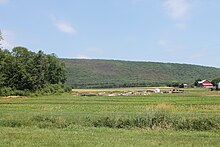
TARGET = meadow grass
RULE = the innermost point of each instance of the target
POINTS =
(69, 120)
(90, 136)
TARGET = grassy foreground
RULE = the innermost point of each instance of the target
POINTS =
(68, 120)
(89, 136)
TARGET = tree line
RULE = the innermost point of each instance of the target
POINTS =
(27, 71)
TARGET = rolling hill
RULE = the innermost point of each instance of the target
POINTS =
(89, 73)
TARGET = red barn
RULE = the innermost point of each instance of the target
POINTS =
(205, 84)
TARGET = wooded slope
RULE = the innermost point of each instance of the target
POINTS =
(94, 73)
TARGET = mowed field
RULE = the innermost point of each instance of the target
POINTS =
(191, 118)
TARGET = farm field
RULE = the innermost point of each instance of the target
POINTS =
(191, 118)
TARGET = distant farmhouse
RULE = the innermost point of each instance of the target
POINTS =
(205, 84)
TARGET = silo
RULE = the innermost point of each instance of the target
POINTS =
(218, 86)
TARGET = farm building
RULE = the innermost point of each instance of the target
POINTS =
(218, 86)
(205, 84)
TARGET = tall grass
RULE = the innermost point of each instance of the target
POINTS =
(158, 120)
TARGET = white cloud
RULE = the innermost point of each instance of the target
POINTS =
(178, 9)
(2, 2)
(65, 27)
(62, 25)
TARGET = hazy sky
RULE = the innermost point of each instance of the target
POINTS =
(182, 31)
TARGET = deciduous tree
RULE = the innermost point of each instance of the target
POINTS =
(22, 69)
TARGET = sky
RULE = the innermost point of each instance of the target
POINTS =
(176, 31)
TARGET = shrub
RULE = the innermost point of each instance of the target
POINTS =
(20, 93)
(6, 91)
(52, 89)
(67, 88)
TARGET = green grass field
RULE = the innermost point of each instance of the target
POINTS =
(69, 120)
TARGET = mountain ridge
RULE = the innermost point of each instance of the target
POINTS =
(112, 73)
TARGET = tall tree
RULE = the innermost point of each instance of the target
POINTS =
(39, 70)
(1, 68)
(197, 82)
(22, 69)
(6, 68)
(22, 77)
(56, 70)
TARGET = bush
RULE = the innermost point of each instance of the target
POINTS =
(67, 88)
(20, 93)
(6, 91)
(52, 89)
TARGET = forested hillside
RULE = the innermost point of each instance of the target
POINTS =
(112, 73)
